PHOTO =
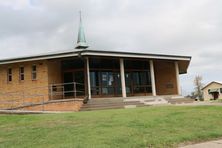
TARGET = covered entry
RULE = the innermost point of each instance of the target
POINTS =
(215, 93)
(137, 77)
(73, 78)
(105, 77)
(99, 76)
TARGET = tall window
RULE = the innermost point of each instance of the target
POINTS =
(9, 75)
(34, 72)
(21, 73)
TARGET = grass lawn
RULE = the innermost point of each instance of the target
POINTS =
(139, 127)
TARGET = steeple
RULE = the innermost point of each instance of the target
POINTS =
(81, 42)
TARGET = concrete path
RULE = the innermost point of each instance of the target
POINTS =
(209, 144)
(200, 104)
(29, 112)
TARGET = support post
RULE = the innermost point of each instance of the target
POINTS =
(178, 78)
(88, 77)
(152, 78)
(51, 92)
(122, 73)
(74, 87)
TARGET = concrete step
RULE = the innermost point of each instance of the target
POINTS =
(180, 100)
(108, 101)
(101, 105)
(113, 103)
(111, 107)
(101, 108)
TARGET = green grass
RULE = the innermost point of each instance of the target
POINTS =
(140, 127)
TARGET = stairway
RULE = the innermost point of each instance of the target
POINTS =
(109, 103)
(103, 103)
(179, 100)
(132, 102)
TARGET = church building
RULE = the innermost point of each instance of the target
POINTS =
(75, 76)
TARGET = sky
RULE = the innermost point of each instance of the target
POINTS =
(181, 27)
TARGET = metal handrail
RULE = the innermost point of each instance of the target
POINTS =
(54, 87)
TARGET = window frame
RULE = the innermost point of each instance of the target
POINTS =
(21, 73)
(34, 72)
(209, 91)
(9, 75)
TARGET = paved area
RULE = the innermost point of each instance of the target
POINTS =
(209, 144)
(200, 104)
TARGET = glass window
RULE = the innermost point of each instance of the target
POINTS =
(9, 75)
(208, 91)
(136, 64)
(72, 64)
(101, 63)
(34, 72)
(21, 73)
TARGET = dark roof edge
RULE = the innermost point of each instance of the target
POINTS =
(134, 53)
(82, 52)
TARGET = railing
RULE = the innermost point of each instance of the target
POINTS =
(66, 90)
(40, 95)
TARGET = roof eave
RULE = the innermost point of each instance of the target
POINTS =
(95, 53)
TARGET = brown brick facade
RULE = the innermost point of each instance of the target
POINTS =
(57, 106)
(50, 72)
(17, 93)
(55, 77)
(165, 77)
(27, 87)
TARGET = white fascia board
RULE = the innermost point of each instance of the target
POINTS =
(37, 59)
(135, 56)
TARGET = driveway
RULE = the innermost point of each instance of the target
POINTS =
(209, 144)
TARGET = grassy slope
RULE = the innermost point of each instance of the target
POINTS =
(140, 127)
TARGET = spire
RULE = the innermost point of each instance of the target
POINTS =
(81, 42)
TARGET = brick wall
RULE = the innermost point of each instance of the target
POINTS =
(28, 87)
(165, 77)
(57, 106)
(55, 77)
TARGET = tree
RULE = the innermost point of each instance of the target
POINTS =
(198, 87)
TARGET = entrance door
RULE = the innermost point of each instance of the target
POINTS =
(128, 83)
(216, 95)
(137, 83)
(105, 83)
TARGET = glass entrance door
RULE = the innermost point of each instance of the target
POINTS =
(105, 83)
(137, 83)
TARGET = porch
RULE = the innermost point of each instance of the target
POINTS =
(103, 77)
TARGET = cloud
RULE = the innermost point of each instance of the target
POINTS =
(185, 27)
(16, 4)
